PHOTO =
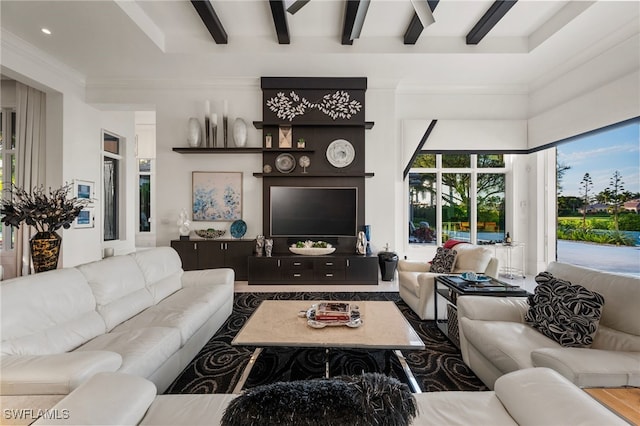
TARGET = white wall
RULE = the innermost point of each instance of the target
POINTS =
(7, 94)
(382, 158)
(73, 138)
(82, 159)
(466, 121)
(601, 92)
(174, 105)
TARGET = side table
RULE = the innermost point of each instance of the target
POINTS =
(512, 256)
(450, 287)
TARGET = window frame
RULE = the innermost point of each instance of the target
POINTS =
(8, 158)
(120, 189)
(151, 174)
(474, 171)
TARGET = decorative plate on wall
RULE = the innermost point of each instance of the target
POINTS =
(340, 153)
(238, 228)
(285, 163)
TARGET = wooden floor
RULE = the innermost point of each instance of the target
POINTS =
(623, 401)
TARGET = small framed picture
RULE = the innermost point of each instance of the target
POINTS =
(83, 189)
(284, 137)
(85, 219)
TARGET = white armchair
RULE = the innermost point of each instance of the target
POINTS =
(415, 281)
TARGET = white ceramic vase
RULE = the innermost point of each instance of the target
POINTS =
(239, 132)
(194, 132)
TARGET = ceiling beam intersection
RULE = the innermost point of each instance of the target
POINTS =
(415, 27)
(280, 21)
(354, 15)
(210, 20)
(489, 20)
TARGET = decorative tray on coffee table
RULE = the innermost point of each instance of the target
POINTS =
(327, 314)
(474, 278)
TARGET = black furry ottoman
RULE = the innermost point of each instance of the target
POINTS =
(366, 400)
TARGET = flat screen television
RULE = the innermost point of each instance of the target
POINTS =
(313, 211)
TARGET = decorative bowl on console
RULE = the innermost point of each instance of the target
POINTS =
(311, 248)
(210, 233)
(312, 251)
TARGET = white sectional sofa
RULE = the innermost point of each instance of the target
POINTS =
(495, 339)
(415, 281)
(139, 314)
(537, 396)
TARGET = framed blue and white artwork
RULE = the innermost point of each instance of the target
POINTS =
(85, 219)
(217, 196)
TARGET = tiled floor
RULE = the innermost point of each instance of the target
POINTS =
(243, 287)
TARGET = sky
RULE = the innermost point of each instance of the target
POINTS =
(600, 155)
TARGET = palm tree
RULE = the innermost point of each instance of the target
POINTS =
(616, 195)
(586, 184)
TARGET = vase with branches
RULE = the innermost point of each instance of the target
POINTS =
(45, 210)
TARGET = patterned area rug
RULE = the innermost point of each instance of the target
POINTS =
(218, 366)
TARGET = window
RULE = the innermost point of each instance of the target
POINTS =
(460, 196)
(113, 164)
(598, 199)
(144, 194)
(7, 168)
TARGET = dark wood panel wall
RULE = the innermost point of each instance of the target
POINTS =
(320, 110)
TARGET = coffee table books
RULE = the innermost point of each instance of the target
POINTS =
(333, 311)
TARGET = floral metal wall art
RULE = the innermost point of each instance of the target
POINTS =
(335, 105)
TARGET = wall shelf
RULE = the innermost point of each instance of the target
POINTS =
(313, 175)
(292, 150)
(261, 124)
(199, 150)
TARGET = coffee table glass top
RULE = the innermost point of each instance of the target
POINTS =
(276, 323)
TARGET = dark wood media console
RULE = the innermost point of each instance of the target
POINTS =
(297, 269)
(219, 253)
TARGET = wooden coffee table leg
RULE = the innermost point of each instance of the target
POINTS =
(247, 370)
(413, 383)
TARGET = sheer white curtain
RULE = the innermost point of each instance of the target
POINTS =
(30, 159)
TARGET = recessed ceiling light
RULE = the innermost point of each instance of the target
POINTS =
(47, 31)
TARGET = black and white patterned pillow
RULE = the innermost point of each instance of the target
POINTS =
(444, 261)
(567, 313)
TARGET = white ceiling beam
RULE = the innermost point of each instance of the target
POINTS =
(361, 14)
(424, 12)
(292, 6)
(558, 21)
(143, 21)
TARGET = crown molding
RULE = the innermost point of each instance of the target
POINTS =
(414, 88)
(17, 52)
(239, 83)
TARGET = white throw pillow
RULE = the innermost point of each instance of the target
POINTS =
(472, 258)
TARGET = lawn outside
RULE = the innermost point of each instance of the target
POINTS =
(601, 229)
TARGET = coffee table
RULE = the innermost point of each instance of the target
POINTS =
(276, 323)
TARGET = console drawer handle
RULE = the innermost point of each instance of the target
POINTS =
(328, 275)
(297, 263)
(328, 263)
(297, 275)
